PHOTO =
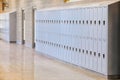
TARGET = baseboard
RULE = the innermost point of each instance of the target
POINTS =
(113, 77)
(12, 41)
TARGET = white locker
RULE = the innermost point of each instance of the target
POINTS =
(82, 41)
(82, 36)
(87, 37)
(77, 41)
(105, 40)
(95, 30)
(91, 39)
(99, 12)
(8, 31)
(74, 36)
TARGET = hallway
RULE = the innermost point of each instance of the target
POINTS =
(20, 63)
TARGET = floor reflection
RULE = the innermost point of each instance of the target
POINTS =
(21, 63)
(16, 62)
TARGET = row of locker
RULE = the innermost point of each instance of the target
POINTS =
(99, 23)
(88, 31)
(63, 38)
(8, 26)
(93, 13)
(80, 57)
(47, 43)
(60, 46)
(74, 40)
(4, 26)
(84, 36)
(91, 22)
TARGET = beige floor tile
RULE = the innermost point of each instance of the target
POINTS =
(21, 63)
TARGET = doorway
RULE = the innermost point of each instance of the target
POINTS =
(23, 27)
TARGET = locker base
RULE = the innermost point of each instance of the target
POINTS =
(8, 41)
(113, 77)
(12, 41)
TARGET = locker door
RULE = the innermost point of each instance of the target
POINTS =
(95, 37)
(63, 35)
(99, 39)
(68, 14)
(84, 35)
(54, 22)
(91, 38)
(79, 34)
(58, 32)
(105, 39)
(67, 34)
(77, 41)
(75, 36)
(87, 38)
(45, 33)
(36, 30)
(59, 38)
(40, 31)
(43, 30)
(71, 35)
(60, 42)
(82, 40)
(52, 33)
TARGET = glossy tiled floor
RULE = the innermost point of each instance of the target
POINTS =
(20, 63)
